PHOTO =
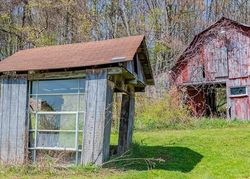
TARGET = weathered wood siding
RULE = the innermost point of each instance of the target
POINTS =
(238, 106)
(216, 59)
(98, 114)
(126, 122)
(13, 120)
(238, 56)
(221, 56)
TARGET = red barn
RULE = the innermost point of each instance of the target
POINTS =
(218, 58)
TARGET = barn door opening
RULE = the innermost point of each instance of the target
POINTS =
(216, 100)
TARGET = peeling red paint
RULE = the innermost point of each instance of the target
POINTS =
(217, 57)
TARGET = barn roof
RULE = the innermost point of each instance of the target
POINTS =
(192, 47)
(77, 55)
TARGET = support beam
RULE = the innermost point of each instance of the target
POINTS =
(126, 122)
(98, 117)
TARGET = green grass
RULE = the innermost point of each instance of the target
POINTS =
(191, 153)
(192, 123)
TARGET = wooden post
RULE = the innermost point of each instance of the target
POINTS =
(98, 117)
(126, 122)
(13, 120)
(131, 117)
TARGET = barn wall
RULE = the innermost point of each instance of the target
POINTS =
(222, 56)
(13, 120)
(238, 106)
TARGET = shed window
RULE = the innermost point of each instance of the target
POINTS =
(56, 119)
(234, 91)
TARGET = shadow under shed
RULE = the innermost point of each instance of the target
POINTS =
(169, 158)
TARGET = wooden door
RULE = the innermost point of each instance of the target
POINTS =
(239, 108)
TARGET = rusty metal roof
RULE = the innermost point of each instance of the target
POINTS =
(73, 55)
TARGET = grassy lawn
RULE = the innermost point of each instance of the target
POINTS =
(201, 153)
(197, 153)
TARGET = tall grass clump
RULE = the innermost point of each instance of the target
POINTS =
(161, 112)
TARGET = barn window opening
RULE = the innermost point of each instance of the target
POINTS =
(235, 91)
(56, 117)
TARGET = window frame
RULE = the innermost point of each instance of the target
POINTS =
(238, 95)
(77, 114)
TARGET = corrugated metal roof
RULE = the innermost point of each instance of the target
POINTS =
(73, 55)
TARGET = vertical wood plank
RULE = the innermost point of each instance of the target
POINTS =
(131, 118)
(22, 132)
(100, 117)
(88, 131)
(5, 123)
(123, 129)
(108, 120)
(13, 120)
(1, 113)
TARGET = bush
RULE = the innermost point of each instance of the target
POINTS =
(162, 112)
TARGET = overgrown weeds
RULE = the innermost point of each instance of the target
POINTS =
(168, 112)
(163, 112)
(47, 170)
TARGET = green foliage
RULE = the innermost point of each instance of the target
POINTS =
(162, 112)
(168, 113)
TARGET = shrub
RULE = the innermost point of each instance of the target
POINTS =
(160, 112)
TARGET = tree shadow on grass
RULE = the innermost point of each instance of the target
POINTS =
(174, 158)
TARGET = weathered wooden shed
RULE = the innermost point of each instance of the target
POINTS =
(217, 58)
(57, 100)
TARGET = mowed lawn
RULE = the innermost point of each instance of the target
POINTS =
(199, 153)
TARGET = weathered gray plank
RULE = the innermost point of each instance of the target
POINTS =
(13, 120)
(131, 119)
(5, 120)
(100, 117)
(108, 120)
(97, 117)
(1, 115)
(123, 129)
(22, 132)
(89, 122)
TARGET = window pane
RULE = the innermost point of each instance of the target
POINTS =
(33, 104)
(238, 90)
(80, 140)
(80, 121)
(56, 139)
(31, 139)
(82, 85)
(58, 86)
(56, 121)
(34, 87)
(32, 122)
(82, 103)
(57, 103)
